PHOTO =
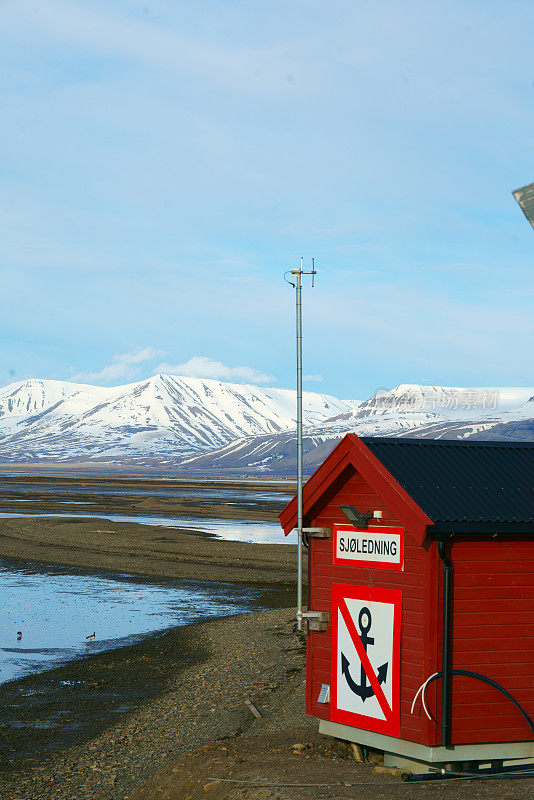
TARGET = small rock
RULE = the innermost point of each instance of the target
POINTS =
(211, 785)
(394, 771)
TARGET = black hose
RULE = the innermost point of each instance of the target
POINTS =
(446, 688)
(513, 771)
(521, 771)
(469, 674)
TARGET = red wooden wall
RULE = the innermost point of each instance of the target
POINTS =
(493, 633)
(420, 609)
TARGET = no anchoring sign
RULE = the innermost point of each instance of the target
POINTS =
(366, 657)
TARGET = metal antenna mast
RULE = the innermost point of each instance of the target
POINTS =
(297, 274)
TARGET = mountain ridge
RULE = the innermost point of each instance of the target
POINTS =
(161, 416)
(196, 425)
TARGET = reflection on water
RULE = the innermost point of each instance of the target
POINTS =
(228, 529)
(63, 502)
(242, 496)
(55, 610)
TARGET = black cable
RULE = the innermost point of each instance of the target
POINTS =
(468, 776)
(469, 674)
(446, 661)
(519, 771)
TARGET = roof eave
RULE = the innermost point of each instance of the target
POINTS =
(459, 528)
(352, 451)
(323, 476)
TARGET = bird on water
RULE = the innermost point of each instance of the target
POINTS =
(19, 635)
(91, 637)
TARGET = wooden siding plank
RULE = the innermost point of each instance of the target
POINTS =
(493, 633)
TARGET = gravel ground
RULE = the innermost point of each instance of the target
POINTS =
(198, 738)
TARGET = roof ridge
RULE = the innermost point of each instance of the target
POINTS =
(396, 440)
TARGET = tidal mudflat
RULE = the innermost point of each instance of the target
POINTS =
(233, 511)
(180, 576)
(115, 525)
(236, 530)
(242, 494)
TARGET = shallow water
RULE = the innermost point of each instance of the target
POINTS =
(62, 502)
(229, 529)
(55, 609)
(243, 496)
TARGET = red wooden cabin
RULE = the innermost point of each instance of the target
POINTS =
(421, 561)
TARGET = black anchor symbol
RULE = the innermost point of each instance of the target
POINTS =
(363, 689)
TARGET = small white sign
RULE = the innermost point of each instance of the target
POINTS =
(324, 694)
(380, 547)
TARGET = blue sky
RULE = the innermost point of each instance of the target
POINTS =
(163, 163)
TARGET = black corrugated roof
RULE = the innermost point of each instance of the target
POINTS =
(464, 487)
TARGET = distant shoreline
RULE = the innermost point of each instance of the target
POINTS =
(144, 549)
(35, 471)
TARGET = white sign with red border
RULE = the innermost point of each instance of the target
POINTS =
(365, 680)
(380, 547)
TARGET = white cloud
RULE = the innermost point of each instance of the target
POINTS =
(202, 367)
(317, 378)
(123, 366)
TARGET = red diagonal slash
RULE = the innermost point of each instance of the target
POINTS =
(364, 658)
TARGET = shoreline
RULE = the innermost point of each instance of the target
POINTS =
(146, 550)
(151, 498)
(48, 711)
(53, 710)
(61, 472)
(134, 684)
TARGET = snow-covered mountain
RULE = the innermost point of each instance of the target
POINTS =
(26, 398)
(411, 406)
(409, 410)
(164, 417)
(207, 426)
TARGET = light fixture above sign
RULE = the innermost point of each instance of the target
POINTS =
(360, 519)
